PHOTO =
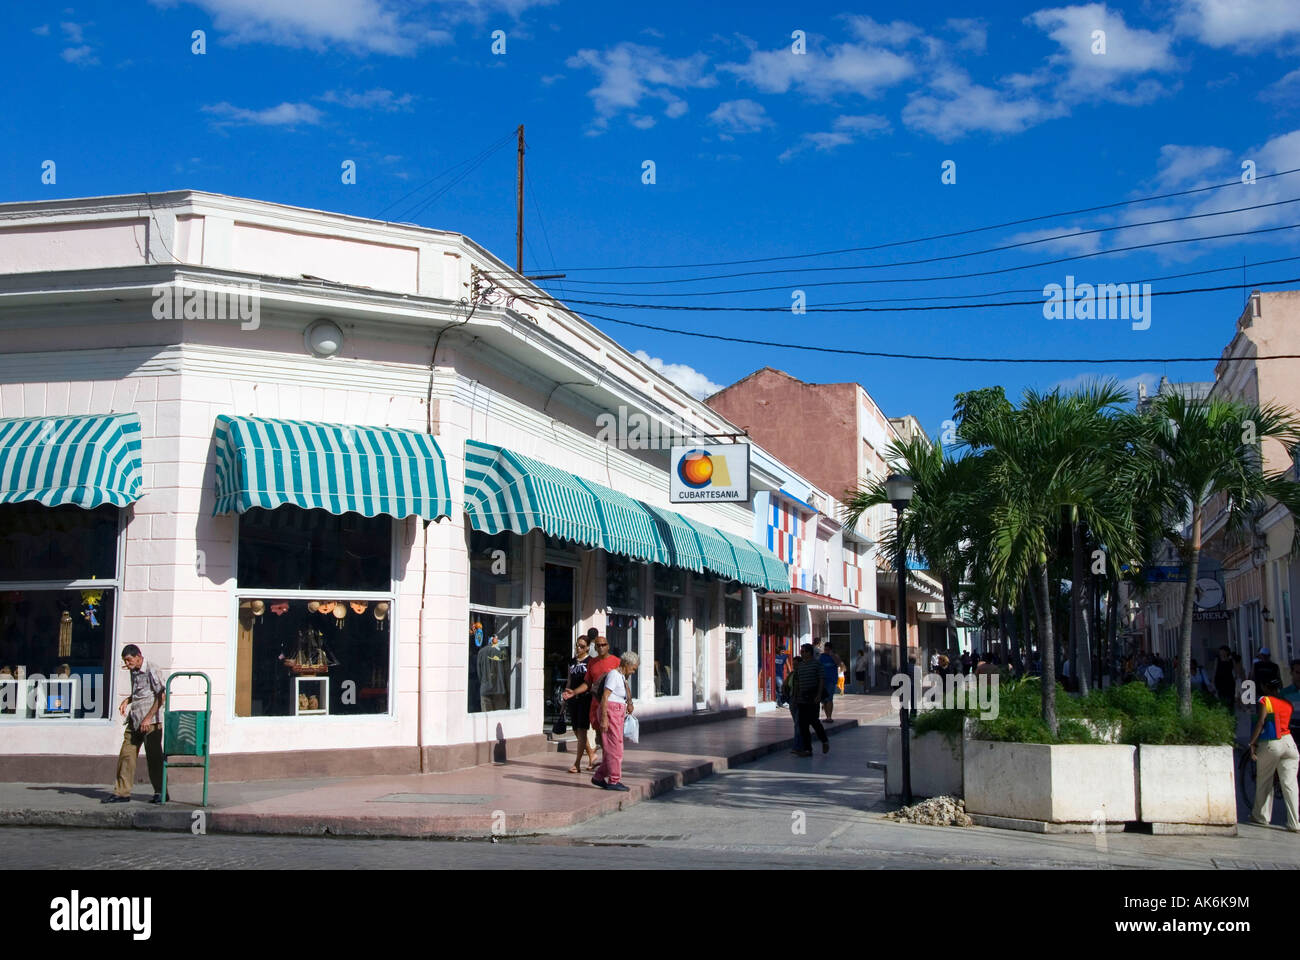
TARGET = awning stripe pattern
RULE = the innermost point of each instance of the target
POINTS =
(505, 490)
(372, 471)
(87, 461)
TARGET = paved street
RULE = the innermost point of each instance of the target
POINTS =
(745, 817)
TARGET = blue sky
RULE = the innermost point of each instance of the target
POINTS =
(758, 151)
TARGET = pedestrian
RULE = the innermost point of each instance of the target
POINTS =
(613, 706)
(830, 664)
(1201, 679)
(860, 667)
(1152, 673)
(143, 712)
(1276, 753)
(597, 667)
(1223, 682)
(580, 707)
(809, 687)
(1264, 669)
(782, 665)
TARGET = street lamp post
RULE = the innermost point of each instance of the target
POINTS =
(899, 488)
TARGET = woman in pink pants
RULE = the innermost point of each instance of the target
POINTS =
(614, 705)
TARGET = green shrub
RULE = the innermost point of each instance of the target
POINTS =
(947, 722)
(1141, 715)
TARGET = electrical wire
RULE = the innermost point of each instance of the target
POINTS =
(938, 236)
(888, 355)
(941, 306)
(431, 180)
(950, 256)
(963, 276)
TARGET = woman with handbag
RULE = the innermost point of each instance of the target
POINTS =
(615, 706)
(579, 707)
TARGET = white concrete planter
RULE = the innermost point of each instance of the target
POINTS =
(1050, 788)
(936, 764)
(1187, 789)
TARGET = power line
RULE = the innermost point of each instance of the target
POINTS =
(474, 165)
(951, 256)
(846, 351)
(940, 306)
(432, 180)
(938, 236)
(961, 276)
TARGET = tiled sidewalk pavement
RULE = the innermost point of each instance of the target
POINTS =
(531, 792)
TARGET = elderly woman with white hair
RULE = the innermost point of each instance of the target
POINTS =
(614, 705)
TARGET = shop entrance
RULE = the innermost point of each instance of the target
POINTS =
(560, 607)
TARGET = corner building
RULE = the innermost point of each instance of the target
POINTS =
(351, 470)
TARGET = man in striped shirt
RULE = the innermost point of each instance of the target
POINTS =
(809, 686)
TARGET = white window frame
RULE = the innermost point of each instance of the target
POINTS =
(238, 594)
(111, 691)
(524, 613)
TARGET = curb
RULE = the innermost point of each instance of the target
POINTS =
(431, 828)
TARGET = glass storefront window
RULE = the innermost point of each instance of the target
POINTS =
(57, 644)
(289, 548)
(623, 633)
(669, 580)
(326, 657)
(57, 543)
(735, 649)
(498, 571)
(315, 596)
(667, 678)
(622, 583)
(496, 675)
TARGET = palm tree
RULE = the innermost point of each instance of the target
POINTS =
(1209, 447)
(1052, 456)
(933, 523)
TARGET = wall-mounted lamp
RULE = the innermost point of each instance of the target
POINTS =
(323, 338)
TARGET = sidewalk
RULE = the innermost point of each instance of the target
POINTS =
(530, 793)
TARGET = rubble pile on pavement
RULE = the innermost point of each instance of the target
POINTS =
(935, 812)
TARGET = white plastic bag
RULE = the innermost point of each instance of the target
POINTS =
(631, 729)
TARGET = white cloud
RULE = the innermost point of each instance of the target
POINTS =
(688, 378)
(377, 99)
(1241, 24)
(1182, 165)
(82, 56)
(79, 52)
(955, 106)
(846, 130)
(740, 116)
(898, 33)
(974, 34)
(42, 31)
(630, 73)
(1129, 53)
(366, 26)
(1128, 384)
(284, 115)
(846, 68)
(1285, 92)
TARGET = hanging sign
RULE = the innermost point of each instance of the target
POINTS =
(709, 473)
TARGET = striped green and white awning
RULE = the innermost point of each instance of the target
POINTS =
(87, 461)
(324, 466)
(505, 490)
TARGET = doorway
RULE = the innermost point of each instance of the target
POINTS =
(560, 608)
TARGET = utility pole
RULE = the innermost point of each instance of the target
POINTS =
(519, 212)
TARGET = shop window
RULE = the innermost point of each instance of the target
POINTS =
(314, 629)
(289, 548)
(498, 571)
(669, 580)
(624, 605)
(496, 675)
(622, 583)
(667, 663)
(58, 593)
(734, 610)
